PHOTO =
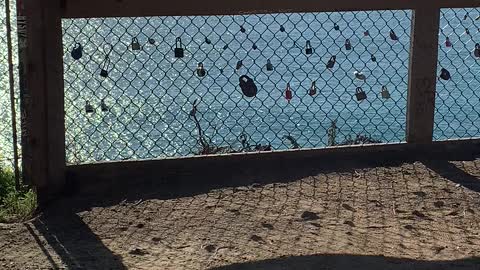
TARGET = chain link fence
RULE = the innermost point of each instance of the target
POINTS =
(458, 98)
(7, 141)
(139, 88)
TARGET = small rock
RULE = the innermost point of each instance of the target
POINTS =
(267, 225)
(349, 223)
(210, 248)
(348, 207)
(438, 249)
(140, 225)
(307, 216)
(257, 238)
(439, 204)
(453, 213)
(409, 227)
(418, 214)
(420, 194)
(156, 239)
(457, 185)
(138, 252)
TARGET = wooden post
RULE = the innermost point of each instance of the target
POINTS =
(45, 111)
(422, 76)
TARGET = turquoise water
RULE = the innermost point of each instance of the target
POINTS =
(150, 92)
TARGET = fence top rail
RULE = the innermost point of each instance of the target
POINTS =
(143, 8)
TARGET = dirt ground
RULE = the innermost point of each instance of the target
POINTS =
(422, 215)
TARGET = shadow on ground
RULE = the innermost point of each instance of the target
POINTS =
(349, 262)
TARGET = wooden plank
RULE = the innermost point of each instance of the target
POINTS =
(44, 94)
(230, 170)
(55, 95)
(139, 8)
(422, 76)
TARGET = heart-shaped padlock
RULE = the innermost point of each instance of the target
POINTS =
(445, 74)
(248, 86)
(77, 51)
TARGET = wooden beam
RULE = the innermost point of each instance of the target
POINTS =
(422, 76)
(45, 113)
(141, 8)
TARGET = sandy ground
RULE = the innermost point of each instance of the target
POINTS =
(422, 215)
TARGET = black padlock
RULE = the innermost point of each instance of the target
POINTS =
(360, 94)
(477, 50)
(104, 73)
(467, 31)
(385, 93)
(239, 65)
(89, 108)
(269, 65)
(308, 48)
(179, 52)
(282, 28)
(393, 36)
(374, 59)
(465, 17)
(225, 47)
(445, 74)
(348, 45)
(103, 106)
(331, 62)
(208, 41)
(336, 27)
(201, 72)
(135, 44)
(254, 46)
(248, 86)
(242, 29)
(77, 51)
(313, 89)
(151, 41)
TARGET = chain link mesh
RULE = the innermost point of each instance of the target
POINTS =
(457, 100)
(149, 94)
(7, 156)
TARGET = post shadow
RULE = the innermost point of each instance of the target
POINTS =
(453, 173)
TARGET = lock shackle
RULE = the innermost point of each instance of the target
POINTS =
(477, 46)
(384, 88)
(347, 41)
(333, 58)
(107, 49)
(106, 63)
(308, 44)
(134, 40)
(77, 46)
(178, 42)
(359, 90)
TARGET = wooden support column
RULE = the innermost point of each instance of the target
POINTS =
(422, 76)
(45, 98)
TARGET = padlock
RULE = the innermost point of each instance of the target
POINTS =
(254, 46)
(331, 62)
(393, 36)
(77, 51)
(151, 41)
(373, 58)
(269, 65)
(103, 106)
(448, 43)
(288, 93)
(201, 72)
(179, 52)
(477, 50)
(336, 27)
(348, 45)
(242, 29)
(360, 94)
(313, 89)
(308, 48)
(360, 76)
(385, 93)
(135, 44)
(239, 65)
(249, 89)
(104, 73)
(225, 47)
(208, 41)
(467, 31)
(282, 28)
(89, 108)
(445, 74)
(465, 17)
(366, 33)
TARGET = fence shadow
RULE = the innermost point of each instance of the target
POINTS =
(348, 262)
(73, 241)
(451, 172)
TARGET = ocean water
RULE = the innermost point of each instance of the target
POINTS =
(149, 93)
